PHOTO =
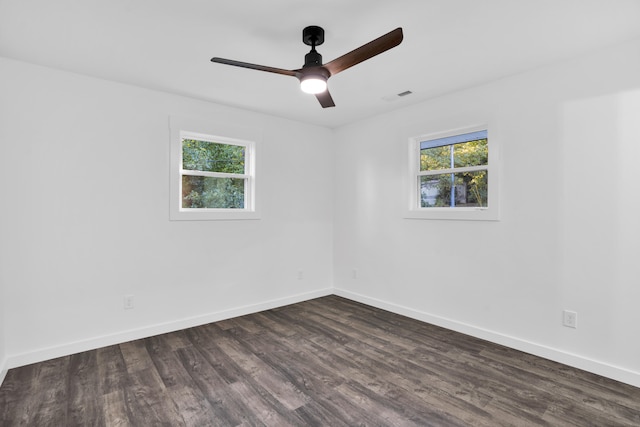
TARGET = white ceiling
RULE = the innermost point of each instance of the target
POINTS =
(448, 45)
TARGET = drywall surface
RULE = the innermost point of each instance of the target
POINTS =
(85, 218)
(3, 327)
(568, 235)
(3, 301)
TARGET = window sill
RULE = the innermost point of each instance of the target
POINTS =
(213, 215)
(460, 214)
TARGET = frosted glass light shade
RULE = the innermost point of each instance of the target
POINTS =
(313, 84)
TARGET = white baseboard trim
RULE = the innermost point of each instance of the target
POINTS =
(573, 360)
(16, 360)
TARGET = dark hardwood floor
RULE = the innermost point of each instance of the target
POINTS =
(326, 362)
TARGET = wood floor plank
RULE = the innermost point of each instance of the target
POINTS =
(319, 383)
(263, 406)
(83, 407)
(617, 397)
(50, 394)
(227, 409)
(363, 376)
(15, 394)
(176, 340)
(148, 401)
(366, 350)
(166, 362)
(204, 338)
(136, 356)
(112, 372)
(324, 362)
(322, 352)
(114, 409)
(285, 392)
(193, 406)
(281, 330)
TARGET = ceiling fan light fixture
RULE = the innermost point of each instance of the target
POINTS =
(314, 73)
(313, 84)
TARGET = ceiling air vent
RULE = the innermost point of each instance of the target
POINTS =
(397, 96)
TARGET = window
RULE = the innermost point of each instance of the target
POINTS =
(451, 176)
(214, 173)
(453, 171)
(213, 177)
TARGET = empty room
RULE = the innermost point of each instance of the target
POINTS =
(319, 213)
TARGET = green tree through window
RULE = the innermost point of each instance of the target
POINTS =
(213, 175)
(453, 171)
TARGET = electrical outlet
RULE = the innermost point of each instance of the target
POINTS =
(128, 302)
(570, 319)
(300, 274)
(354, 273)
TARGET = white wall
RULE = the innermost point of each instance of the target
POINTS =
(85, 218)
(568, 237)
(3, 327)
(84, 184)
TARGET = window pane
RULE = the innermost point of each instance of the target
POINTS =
(212, 157)
(472, 153)
(468, 189)
(213, 193)
(435, 158)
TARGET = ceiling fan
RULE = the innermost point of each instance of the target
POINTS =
(314, 74)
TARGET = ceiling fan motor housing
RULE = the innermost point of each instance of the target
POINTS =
(312, 59)
(313, 35)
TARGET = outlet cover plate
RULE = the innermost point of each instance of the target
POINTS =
(128, 302)
(570, 319)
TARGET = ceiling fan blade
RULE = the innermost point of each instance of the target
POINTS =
(325, 99)
(254, 66)
(364, 52)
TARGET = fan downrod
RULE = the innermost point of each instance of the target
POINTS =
(313, 36)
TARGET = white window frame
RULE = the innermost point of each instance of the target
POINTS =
(180, 129)
(489, 213)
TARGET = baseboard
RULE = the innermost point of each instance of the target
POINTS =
(48, 353)
(576, 361)
(573, 360)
